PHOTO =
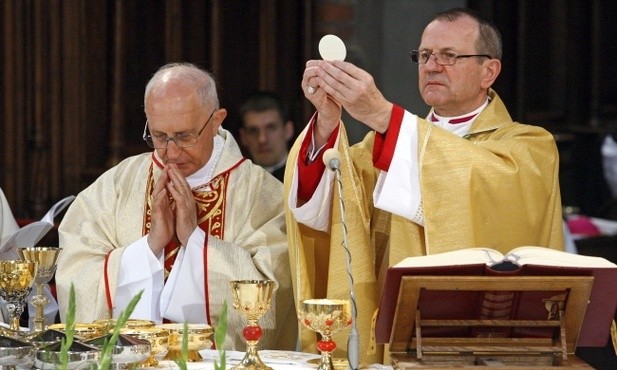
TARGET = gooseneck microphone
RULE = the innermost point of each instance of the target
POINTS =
(332, 160)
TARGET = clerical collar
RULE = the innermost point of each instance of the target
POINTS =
(205, 174)
(434, 117)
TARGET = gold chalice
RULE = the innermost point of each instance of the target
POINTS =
(159, 343)
(325, 316)
(45, 257)
(16, 278)
(252, 298)
(198, 338)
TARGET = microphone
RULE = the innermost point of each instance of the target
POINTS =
(332, 160)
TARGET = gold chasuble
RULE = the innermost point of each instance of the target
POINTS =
(497, 187)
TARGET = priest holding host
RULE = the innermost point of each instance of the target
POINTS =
(180, 222)
(464, 175)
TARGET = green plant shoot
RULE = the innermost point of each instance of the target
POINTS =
(184, 356)
(69, 330)
(108, 346)
(220, 332)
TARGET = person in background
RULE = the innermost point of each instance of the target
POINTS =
(8, 226)
(266, 131)
(464, 175)
(180, 222)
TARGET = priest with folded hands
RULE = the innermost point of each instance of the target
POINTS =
(180, 222)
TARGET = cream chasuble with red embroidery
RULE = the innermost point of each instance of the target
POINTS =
(243, 237)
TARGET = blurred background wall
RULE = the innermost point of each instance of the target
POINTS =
(73, 73)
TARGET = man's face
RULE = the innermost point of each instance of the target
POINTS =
(265, 136)
(177, 114)
(455, 89)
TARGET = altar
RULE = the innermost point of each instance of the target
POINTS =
(277, 360)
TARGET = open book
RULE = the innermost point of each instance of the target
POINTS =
(30, 234)
(522, 261)
(518, 256)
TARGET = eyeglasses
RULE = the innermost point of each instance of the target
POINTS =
(182, 140)
(444, 58)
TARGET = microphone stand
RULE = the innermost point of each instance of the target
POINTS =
(353, 342)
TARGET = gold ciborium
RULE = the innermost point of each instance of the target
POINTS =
(45, 258)
(159, 343)
(81, 331)
(110, 324)
(325, 316)
(252, 298)
(198, 338)
(16, 279)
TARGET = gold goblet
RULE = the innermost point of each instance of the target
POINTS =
(45, 257)
(198, 338)
(252, 298)
(325, 316)
(16, 278)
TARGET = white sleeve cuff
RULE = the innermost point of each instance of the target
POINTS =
(398, 191)
(316, 212)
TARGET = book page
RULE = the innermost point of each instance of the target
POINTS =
(57, 208)
(30, 234)
(551, 257)
(467, 256)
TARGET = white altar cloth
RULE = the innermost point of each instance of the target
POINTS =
(277, 360)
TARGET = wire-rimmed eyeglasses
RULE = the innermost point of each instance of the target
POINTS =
(182, 140)
(444, 58)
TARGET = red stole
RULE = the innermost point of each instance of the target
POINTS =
(210, 207)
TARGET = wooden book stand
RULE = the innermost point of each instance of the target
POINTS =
(540, 330)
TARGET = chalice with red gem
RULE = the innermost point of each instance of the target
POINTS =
(252, 298)
(325, 316)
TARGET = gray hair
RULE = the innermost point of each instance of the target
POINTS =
(189, 75)
(489, 42)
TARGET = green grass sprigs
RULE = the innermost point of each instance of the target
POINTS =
(104, 362)
(220, 332)
(105, 359)
(109, 345)
(69, 331)
(184, 355)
